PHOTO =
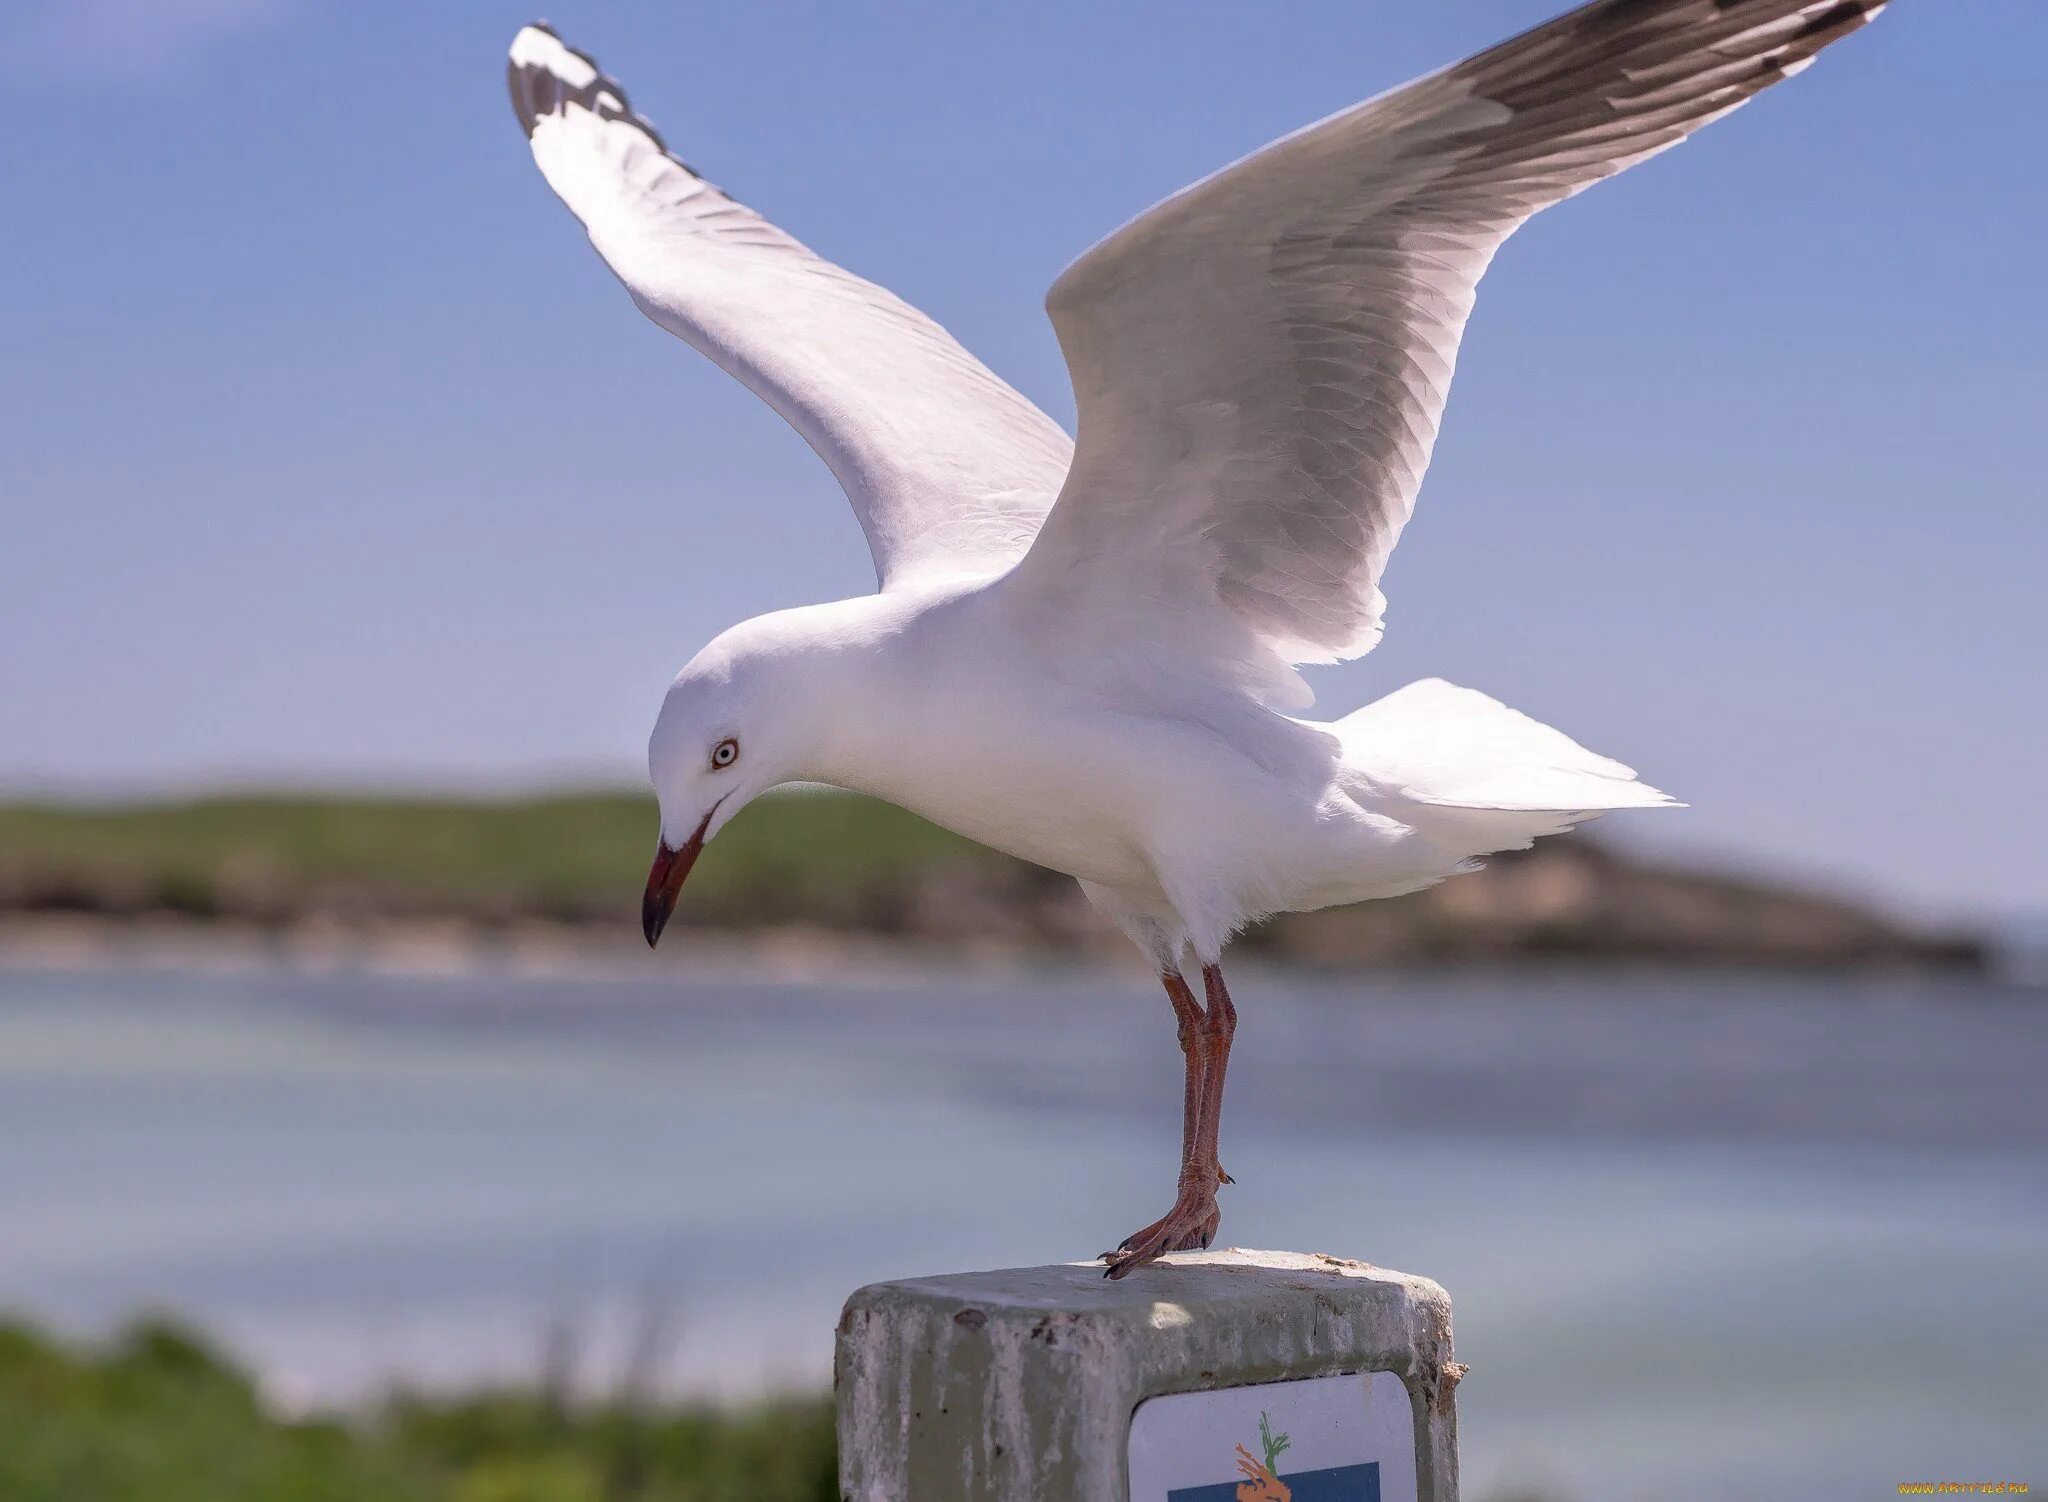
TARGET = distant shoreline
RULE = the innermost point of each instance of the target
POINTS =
(552, 883)
(430, 948)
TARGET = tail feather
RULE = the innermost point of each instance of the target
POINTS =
(1442, 746)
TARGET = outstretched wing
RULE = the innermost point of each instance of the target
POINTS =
(1261, 361)
(949, 469)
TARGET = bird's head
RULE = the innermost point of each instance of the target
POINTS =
(737, 721)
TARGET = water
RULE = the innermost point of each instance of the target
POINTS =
(1707, 1236)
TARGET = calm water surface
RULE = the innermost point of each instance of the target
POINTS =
(1707, 1237)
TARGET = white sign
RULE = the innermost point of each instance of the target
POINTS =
(1327, 1439)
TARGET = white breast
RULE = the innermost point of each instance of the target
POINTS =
(992, 742)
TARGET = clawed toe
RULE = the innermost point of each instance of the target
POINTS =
(1135, 1240)
(1189, 1226)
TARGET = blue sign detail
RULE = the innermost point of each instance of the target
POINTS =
(1344, 1483)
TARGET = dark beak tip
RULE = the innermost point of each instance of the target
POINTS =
(664, 882)
(652, 918)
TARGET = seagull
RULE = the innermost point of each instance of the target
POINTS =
(1085, 651)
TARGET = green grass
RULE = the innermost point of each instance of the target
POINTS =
(827, 858)
(839, 862)
(159, 1416)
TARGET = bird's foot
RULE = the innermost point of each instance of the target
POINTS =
(1189, 1226)
(1135, 1237)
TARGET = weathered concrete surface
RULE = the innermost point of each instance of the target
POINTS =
(1018, 1386)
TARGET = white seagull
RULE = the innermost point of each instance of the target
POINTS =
(1082, 651)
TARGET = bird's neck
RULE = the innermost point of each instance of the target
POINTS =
(848, 681)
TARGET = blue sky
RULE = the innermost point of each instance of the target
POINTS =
(331, 451)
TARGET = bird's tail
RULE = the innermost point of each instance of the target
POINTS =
(1480, 776)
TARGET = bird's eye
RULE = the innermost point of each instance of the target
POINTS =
(724, 754)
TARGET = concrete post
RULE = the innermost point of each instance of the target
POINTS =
(1193, 1380)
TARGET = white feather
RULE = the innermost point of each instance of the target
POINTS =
(949, 469)
(1262, 360)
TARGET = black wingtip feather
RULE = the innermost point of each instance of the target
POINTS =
(537, 90)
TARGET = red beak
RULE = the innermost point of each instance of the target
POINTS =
(665, 881)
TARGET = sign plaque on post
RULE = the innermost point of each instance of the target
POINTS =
(1320, 1439)
(1209, 1377)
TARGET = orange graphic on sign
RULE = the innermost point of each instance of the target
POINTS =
(1263, 1485)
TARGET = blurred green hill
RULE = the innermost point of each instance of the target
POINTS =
(834, 860)
(844, 864)
(158, 1415)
